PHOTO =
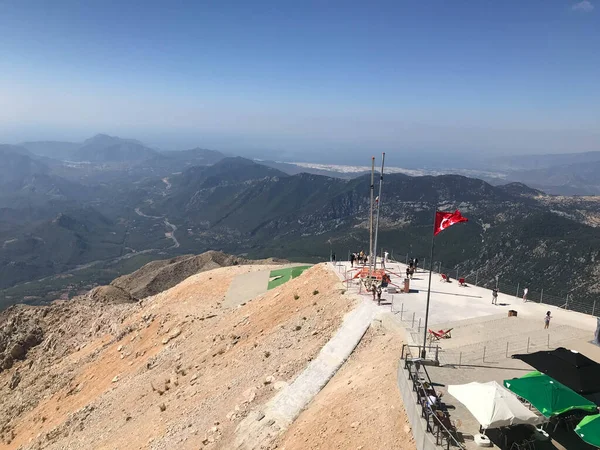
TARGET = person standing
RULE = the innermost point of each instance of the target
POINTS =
(495, 296)
(333, 257)
(352, 258)
(525, 291)
(386, 257)
(416, 263)
(547, 318)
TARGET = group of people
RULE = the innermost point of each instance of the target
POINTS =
(360, 258)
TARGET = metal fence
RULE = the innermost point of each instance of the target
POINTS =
(437, 418)
(564, 300)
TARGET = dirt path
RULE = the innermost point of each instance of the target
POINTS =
(360, 408)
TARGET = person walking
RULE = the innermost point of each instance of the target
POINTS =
(547, 318)
(495, 296)
(352, 258)
(416, 264)
(525, 291)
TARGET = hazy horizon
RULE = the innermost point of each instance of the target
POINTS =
(306, 82)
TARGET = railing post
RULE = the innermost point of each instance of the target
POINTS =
(542, 296)
(528, 340)
(548, 340)
(459, 359)
(457, 274)
(419, 326)
(476, 277)
(507, 349)
(413, 321)
(518, 285)
(594, 308)
(483, 359)
(401, 311)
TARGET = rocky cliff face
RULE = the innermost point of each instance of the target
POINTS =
(158, 276)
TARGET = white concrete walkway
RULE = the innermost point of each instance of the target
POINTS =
(450, 302)
(283, 409)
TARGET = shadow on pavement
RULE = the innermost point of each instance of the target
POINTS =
(458, 295)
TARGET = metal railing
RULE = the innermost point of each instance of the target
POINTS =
(443, 436)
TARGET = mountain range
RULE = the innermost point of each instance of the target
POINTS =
(67, 224)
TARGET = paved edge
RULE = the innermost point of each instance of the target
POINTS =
(279, 413)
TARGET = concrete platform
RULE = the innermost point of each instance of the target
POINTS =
(483, 337)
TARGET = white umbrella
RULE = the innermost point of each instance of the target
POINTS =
(492, 405)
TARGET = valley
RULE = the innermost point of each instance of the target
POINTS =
(64, 236)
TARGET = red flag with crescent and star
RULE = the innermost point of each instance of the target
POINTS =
(444, 220)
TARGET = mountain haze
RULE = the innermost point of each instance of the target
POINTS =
(94, 221)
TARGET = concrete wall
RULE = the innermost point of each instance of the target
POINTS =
(423, 439)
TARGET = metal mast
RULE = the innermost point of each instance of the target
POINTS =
(378, 206)
(371, 215)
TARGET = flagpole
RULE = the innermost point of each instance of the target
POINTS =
(371, 217)
(423, 353)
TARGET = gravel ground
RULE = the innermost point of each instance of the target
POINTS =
(178, 370)
(360, 408)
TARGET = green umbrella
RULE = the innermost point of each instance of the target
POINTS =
(589, 430)
(548, 395)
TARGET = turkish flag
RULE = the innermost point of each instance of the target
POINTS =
(444, 220)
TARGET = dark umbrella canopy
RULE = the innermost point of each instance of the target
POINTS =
(570, 368)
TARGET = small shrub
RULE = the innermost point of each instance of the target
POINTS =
(267, 354)
(315, 292)
(296, 296)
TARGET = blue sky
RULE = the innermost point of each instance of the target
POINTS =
(305, 79)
